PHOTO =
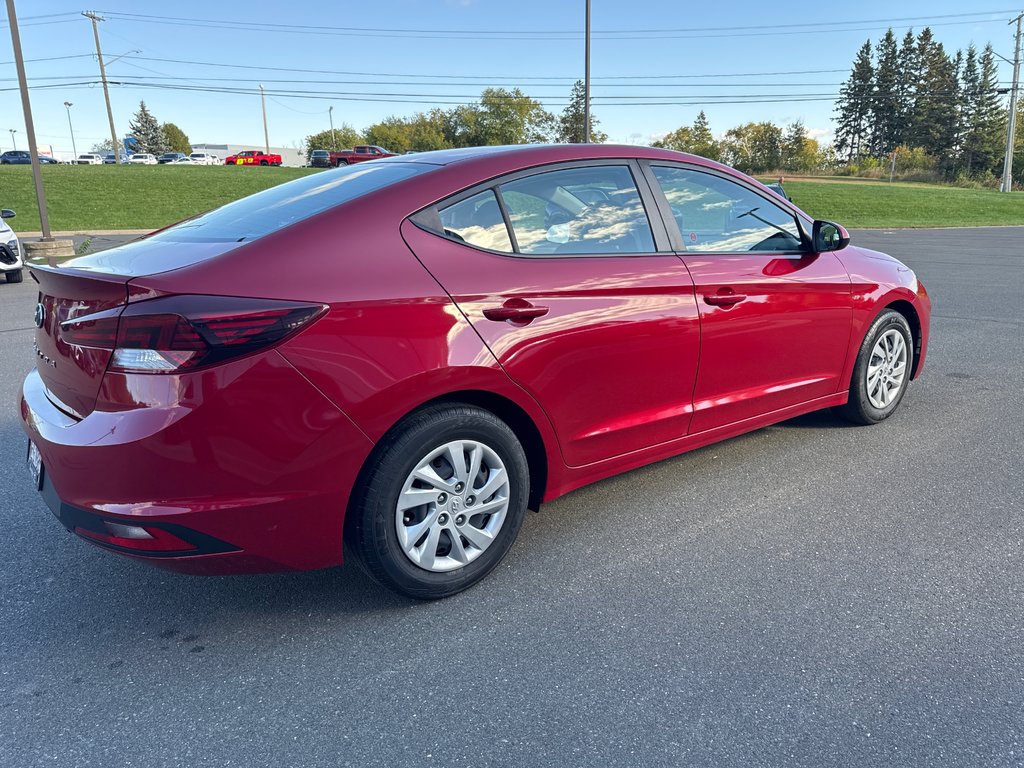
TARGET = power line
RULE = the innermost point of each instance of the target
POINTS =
(813, 27)
(532, 37)
(568, 80)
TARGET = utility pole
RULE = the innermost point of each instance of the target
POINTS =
(586, 80)
(266, 136)
(95, 17)
(1011, 125)
(26, 105)
(68, 105)
(334, 138)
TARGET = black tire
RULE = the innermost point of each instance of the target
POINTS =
(14, 277)
(371, 528)
(859, 409)
(264, 162)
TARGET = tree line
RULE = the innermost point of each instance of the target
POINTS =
(501, 116)
(913, 96)
(754, 147)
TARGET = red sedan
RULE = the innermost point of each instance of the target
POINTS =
(247, 391)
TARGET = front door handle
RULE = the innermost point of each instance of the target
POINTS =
(515, 311)
(725, 297)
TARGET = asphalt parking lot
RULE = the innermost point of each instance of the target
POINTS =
(810, 594)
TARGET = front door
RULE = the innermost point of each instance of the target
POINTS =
(775, 318)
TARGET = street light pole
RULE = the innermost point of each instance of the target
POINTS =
(586, 80)
(95, 17)
(26, 105)
(334, 138)
(266, 136)
(68, 105)
(12, 139)
(1011, 125)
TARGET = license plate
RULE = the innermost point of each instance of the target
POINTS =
(35, 465)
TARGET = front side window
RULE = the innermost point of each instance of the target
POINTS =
(592, 210)
(477, 220)
(715, 214)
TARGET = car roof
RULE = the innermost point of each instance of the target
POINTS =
(536, 154)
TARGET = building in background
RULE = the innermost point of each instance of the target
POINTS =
(290, 156)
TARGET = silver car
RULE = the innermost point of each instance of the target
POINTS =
(11, 253)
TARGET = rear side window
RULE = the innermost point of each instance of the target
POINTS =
(592, 210)
(278, 207)
(477, 220)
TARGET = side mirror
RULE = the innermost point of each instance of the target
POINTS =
(7, 213)
(829, 236)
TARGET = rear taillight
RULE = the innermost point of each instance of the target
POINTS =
(178, 333)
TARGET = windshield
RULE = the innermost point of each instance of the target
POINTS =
(278, 207)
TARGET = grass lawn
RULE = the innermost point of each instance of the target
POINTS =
(83, 197)
(864, 203)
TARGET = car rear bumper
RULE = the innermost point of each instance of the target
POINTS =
(255, 478)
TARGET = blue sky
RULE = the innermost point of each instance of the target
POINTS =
(702, 55)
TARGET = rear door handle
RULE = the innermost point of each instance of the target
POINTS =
(517, 311)
(725, 297)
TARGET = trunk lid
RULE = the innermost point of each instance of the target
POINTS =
(72, 374)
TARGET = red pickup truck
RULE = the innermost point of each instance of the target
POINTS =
(252, 157)
(359, 154)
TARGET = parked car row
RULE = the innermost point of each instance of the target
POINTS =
(321, 158)
(145, 158)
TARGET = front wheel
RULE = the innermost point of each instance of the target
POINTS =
(882, 373)
(442, 502)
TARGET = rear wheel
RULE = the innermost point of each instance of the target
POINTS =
(882, 373)
(264, 162)
(442, 503)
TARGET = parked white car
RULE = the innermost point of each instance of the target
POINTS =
(204, 158)
(11, 254)
(142, 158)
(182, 161)
(90, 159)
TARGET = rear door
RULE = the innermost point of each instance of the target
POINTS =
(775, 317)
(578, 296)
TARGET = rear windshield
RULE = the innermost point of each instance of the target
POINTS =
(278, 207)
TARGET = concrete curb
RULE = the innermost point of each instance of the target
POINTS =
(88, 233)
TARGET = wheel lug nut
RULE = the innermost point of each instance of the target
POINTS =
(442, 519)
(470, 501)
(459, 487)
(442, 498)
(460, 520)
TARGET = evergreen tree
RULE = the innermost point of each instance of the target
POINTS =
(695, 139)
(886, 117)
(989, 117)
(906, 87)
(704, 143)
(570, 123)
(147, 132)
(853, 123)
